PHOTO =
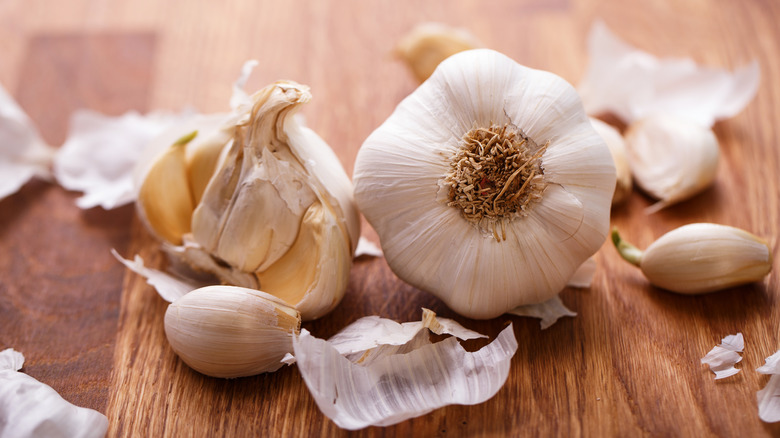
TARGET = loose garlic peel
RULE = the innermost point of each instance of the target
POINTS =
(272, 206)
(488, 186)
(228, 331)
(700, 258)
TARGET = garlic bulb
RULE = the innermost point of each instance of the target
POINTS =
(257, 200)
(672, 158)
(700, 258)
(428, 44)
(617, 147)
(228, 331)
(487, 186)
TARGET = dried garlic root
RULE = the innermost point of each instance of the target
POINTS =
(700, 258)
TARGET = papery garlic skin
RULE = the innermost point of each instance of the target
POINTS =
(228, 331)
(703, 257)
(671, 158)
(263, 202)
(617, 147)
(428, 44)
(526, 256)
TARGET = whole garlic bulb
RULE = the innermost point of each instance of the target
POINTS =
(700, 258)
(259, 201)
(228, 331)
(671, 158)
(487, 186)
(617, 147)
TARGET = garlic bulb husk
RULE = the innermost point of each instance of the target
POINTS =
(428, 44)
(700, 258)
(228, 331)
(617, 147)
(258, 201)
(532, 231)
(671, 158)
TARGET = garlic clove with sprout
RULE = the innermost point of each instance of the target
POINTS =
(428, 44)
(700, 258)
(617, 147)
(228, 331)
(273, 207)
(488, 185)
(671, 158)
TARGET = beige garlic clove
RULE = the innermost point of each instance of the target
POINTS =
(671, 158)
(617, 147)
(700, 258)
(429, 44)
(227, 331)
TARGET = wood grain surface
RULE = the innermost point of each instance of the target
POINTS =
(627, 365)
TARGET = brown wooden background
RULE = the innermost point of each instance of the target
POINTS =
(628, 365)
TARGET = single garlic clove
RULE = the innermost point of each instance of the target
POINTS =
(700, 258)
(671, 158)
(227, 331)
(167, 211)
(203, 156)
(617, 147)
(428, 44)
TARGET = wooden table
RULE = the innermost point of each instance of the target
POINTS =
(628, 365)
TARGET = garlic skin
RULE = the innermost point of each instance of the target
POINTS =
(508, 255)
(671, 158)
(617, 147)
(228, 331)
(700, 258)
(257, 200)
(428, 44)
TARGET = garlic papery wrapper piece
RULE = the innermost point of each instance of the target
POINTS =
(671, 158)
(488, 185)
(633, 84)
(277, 213)
(29, 408)
(428, 44)
(769, 396)
(700, 258)
(617, 147)
(722, 358)
(228, 331)
(396, 383)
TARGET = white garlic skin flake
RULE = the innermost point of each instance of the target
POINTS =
(700, 258)
(228, 331)
(523, 243)
(671, 158)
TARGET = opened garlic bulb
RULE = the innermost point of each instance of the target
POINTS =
(259, 201)
(487, 186)
(617, 147)
(700, 258)
(671, 158)
(227, 331)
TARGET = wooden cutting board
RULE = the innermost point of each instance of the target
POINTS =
(627, 365)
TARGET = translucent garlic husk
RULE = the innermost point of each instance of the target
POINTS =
(257, 200)
(483, 266)
(617, 147)
(428, 44)
(671, 158)
(700, 258)
(228, 331)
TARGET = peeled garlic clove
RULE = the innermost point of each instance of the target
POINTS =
(488, 185)
(227, 331)
(429, 44)
(671, 158)
(167, 211)
(617, 147)
(700, 258)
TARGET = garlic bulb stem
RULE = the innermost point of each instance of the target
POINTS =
(629, 252)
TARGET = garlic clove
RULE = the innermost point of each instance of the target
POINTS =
(164, 199)
(227, 331)
(428, 44)
(701, 258)
(617, 147)
(408, 185)
(203, 155)
(671, 158)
